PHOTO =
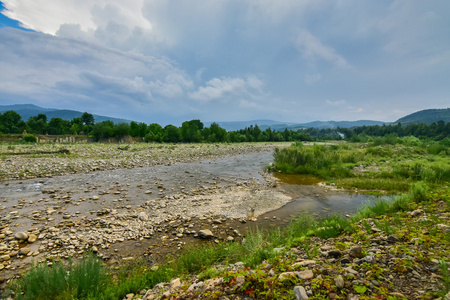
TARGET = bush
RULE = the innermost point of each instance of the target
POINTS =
(29, 138)
(75, 281)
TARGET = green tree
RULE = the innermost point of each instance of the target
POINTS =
(37, 124)
(11, 122)
(191, 131)
(121, 130)
(216, 133)
(103, 130)
(57, 126)
(155, 133)
(87, 119)
(172, 134)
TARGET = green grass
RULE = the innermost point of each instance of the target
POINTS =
(79, 280)
(388, 167)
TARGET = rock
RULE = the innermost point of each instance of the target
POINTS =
(345, 261)
(305, 263)
(24, 251)
(356, 251)
(5, 257)
(205, 234)
(129, 296)
(300, 293)
(32, 238)
(443, 227)
(447, 297)
(286, 275)
(306, 274)
(230, 238)
(334, 253)
(367, 259)
(340, 283)
(21, 236)
(95, 197)
(240, 281)
(392, 239)
(396, 294)
(175, 283)
(142, 216)
(416, 212)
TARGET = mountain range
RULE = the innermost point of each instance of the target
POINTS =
(426, 116)
(30, 110)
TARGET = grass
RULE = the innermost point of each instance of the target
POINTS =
(83, 279)
(388, 167)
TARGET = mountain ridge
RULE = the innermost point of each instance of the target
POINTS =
(29, 110)
(426, 116)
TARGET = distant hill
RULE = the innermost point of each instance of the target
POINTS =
(281, 126)
(426, 116)
(30, 110)
(233, 126)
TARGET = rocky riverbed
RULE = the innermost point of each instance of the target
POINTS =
(146, 200)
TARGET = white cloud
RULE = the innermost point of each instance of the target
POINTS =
(47, 16)
(335, 103)
(218, 88)
(46, 68)
(312, 49)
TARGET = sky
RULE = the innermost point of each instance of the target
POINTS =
(168, 61)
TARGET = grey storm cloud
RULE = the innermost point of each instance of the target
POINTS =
(172, 60)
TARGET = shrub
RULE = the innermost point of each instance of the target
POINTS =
(75, 281)
(29, 138)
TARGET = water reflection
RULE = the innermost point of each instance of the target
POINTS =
(312, 199)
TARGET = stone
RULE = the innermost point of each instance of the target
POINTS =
(356, 251)
(306, 274)
(397, 294)
(345, 261)
(300, 293)
(240, 281)
(32, 238)
(5, 257)
(447, 297)
(286, 275)
(305, 263)
(205, 234)
(340, 283)
(24, 251)
(334, 253)
(392, 239)
(142, 216)
(21, 236)
(175, 283)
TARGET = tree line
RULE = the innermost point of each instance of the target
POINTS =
(194, 131)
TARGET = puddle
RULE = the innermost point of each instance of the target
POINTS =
(312, 199)
(300, 179)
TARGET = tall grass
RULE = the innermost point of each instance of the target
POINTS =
(79, 280)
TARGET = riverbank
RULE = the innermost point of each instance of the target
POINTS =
(156, 205)
(93, 157)
(389, 255)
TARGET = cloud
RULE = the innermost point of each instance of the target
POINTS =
(312, 49)
(192, 59)
(218, 88)
(46, 68)
(47, 16)
(335, 103)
